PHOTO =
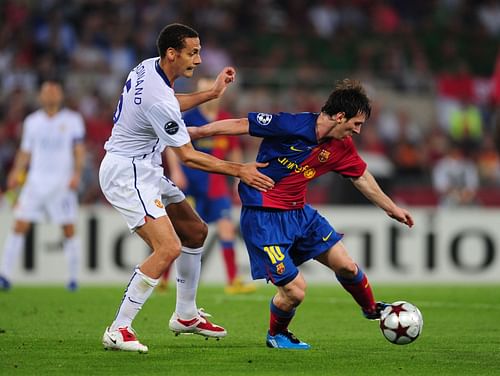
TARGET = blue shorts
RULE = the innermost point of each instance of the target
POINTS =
(211, 210)
(279, 240)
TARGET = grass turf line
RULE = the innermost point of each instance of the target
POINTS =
(49, 331)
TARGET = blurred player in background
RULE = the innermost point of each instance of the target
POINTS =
(52, 146)
(147, 120)
(455, 177)
(280, 230)
(209, 193)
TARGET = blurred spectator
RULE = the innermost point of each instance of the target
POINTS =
(288, 54)
(489, 15)
(325, 18)
(466, 125)
(456, 178)
(488, 162)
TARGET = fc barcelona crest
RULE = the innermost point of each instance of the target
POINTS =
(280, 268)
(323, 155)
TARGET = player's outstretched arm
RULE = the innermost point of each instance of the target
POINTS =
(247, 172)
(367, 185)
(228, 127)
(225, 77)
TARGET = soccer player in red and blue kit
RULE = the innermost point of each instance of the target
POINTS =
(280, 229)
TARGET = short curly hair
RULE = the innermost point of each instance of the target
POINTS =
(173, 36)
(349, 97)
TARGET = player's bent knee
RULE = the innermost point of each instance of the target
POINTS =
(69, 231)
(21, 227)
(348, 271)
(197, 235)
(168, 252)
(296, 293)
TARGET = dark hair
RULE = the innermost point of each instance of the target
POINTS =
(55, 80)
(172, 36)
(348, 97)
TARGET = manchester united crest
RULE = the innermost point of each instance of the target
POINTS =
(159, 204)
(323, 155)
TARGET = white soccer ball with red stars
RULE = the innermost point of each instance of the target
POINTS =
(401, 323)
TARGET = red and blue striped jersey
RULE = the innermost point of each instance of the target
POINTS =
(295, 158)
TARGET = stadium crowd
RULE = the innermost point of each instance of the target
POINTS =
(432, 68)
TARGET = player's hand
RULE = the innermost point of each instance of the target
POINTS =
(224, 78)
(401, 215)
(14, 179)
(250, 175)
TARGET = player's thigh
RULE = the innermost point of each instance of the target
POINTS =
(226, 229)
(62, 207)
(269, 237)
(160, 235)
(315, 235)
(337, 258)
(133, 188)
(295, 289)
(30, 206)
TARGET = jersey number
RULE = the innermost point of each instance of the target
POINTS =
(274, 253)
(119, 106)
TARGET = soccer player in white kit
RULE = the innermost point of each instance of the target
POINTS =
(148, 119)
(52, 146)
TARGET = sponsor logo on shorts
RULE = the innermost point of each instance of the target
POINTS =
(293, 148)
(171, 128)
(264, 119)
(159, 204)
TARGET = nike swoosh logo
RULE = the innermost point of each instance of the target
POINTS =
(292, 148)
(325, 238)
(111, 339)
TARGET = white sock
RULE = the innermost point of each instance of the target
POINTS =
(188, 268)
(138, 291)
(71, 248)
(11, 252)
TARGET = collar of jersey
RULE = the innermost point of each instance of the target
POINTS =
(161, 73)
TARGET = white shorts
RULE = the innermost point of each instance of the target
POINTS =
(58, 206)
(137, 188)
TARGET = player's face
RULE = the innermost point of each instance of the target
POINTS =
(51, 95)
(347, 127)
(188, 58)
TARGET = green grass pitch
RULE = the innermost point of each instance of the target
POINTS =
(49, 331)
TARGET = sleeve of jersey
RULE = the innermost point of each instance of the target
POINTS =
(280, 125)
(352, 164)
(167, 122)
(27, 139)
(79, 129)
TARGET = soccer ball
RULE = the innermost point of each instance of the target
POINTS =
(401, 322)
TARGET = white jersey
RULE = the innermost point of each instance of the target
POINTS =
(50, 140)
(148, 116)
